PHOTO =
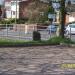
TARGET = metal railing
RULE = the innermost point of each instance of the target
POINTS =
(20, 33)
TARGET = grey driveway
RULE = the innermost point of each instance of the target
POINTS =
(41, 60)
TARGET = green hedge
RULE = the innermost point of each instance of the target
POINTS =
(11, 21)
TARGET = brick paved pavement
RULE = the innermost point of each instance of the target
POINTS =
(44, 60)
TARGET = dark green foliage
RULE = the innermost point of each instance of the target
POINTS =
(58, 40)
(22, 20)
(51, 10)
(12, 21)
(36, 36)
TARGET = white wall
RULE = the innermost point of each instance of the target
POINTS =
(11, 9)
(71, 18)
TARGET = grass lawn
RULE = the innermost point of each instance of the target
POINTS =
(51, 41)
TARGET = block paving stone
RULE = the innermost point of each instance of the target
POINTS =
(40, 60)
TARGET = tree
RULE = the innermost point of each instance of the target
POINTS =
(62, 17)
(62, 11)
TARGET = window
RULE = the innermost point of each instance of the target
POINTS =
(72, 25)
(13, 3)
(13, 12)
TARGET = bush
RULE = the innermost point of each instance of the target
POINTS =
(36, 36)
(58, 40)
(11, 21)
(22, 20)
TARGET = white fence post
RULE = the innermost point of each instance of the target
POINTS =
(7, 29)
(26, 29)
(19, 31)
(70, 32)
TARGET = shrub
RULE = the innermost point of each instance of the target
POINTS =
(11, 21)
(36, 36)
(55, 40)
(58, 40)
(22, 20)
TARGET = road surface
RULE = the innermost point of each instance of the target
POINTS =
(41, 60)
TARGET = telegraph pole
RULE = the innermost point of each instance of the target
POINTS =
(62, 17)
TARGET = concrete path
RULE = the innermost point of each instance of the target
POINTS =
(44, 60)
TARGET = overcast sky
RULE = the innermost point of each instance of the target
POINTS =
(1, 1)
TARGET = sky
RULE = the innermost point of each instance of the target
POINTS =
(1, 1)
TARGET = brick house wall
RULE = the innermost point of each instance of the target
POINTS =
(22, 8)
(32, 9)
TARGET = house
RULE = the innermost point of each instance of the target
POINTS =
(12, 8)
(23, 11)
(2, 12)
(70, 18)
(34, 10)
(70, 8)
(26, 11)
